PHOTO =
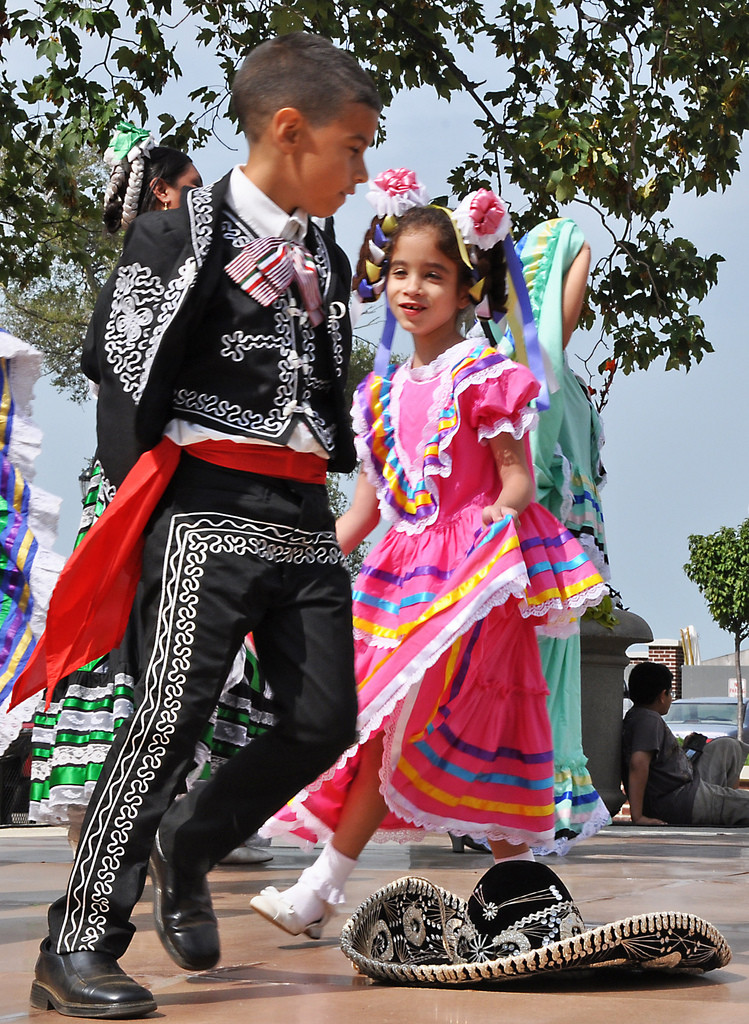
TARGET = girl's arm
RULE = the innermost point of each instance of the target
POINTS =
(518, 489)
(573, 292)
(361, 518)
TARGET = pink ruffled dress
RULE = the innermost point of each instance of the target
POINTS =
(445, 611)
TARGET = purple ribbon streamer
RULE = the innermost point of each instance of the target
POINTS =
(382, 358)
(530, 333)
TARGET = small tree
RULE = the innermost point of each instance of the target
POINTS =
(719, 565)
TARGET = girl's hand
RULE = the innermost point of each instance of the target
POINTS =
(497, 512)
(517, 489)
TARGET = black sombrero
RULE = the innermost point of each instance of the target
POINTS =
(520, 921)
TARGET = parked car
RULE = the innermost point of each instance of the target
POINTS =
(712, 716)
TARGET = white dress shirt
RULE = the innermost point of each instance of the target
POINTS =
(267, 220)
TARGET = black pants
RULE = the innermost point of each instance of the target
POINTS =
(227, 553)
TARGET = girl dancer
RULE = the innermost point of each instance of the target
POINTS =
(454, 731)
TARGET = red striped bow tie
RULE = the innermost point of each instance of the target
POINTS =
(266, 267)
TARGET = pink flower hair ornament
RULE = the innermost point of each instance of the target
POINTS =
(396, 190)
(483, 219)
(480, 221)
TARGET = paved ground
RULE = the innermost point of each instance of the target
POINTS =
(266, 976)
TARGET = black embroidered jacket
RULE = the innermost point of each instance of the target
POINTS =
(173, 336)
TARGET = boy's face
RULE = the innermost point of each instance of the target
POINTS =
(331, 159)
(665, 699)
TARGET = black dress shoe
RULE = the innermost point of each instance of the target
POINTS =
(184, 916)
(87, 984)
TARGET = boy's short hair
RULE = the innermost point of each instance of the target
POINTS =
(300, 70)
(647, 680)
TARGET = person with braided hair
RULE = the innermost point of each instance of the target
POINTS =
(72, 735)
(143, 177)
(454, 733)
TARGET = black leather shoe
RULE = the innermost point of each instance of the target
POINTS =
(86, 984)
(184, 916)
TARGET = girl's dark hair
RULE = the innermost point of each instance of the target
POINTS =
(160, 162)
(489, 264)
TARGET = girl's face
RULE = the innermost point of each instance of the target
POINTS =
(424, 290)
(168, 196)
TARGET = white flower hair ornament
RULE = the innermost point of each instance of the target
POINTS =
(392, 193)
(482, 220)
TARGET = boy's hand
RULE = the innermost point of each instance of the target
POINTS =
(642, 820)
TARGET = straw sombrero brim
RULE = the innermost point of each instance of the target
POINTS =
(412, 932)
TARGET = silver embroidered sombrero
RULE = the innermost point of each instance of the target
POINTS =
(519, 921)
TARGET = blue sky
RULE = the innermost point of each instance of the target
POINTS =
(675, 442)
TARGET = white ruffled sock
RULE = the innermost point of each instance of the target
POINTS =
(525, 855)
(321, 883)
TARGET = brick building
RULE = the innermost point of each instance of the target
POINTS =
(665, 652)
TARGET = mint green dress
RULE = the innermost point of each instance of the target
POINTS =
(566, 448)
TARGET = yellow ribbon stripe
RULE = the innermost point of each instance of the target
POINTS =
(437, 606)
(452, 800)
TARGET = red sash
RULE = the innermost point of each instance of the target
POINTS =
(91, 603)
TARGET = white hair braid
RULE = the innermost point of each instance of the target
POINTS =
(127, 174)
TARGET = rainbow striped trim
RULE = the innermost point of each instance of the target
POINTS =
(18, 548)
(415, 503)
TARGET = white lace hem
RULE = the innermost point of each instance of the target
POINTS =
(598, 820)
(399, 687)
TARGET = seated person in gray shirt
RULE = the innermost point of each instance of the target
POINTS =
(663, 785)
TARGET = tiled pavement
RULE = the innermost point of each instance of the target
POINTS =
(268, 977)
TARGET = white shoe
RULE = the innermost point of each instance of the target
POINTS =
(271, 905)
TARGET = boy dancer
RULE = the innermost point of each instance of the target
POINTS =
(227, 321)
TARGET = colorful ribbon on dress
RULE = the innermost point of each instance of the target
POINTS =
(522, 323)
(18, 549)
(266, 267)
(382, 356)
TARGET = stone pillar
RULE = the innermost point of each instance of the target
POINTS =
(603, 660)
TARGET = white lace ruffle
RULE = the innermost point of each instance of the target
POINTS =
(24, 364)
(595, 555)
(518, 427)
(11, 722)
(599, 819)
(372, 640)
(69, 756)
(56, 810)
(405, 810)
(473, 612)
(559, 624)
